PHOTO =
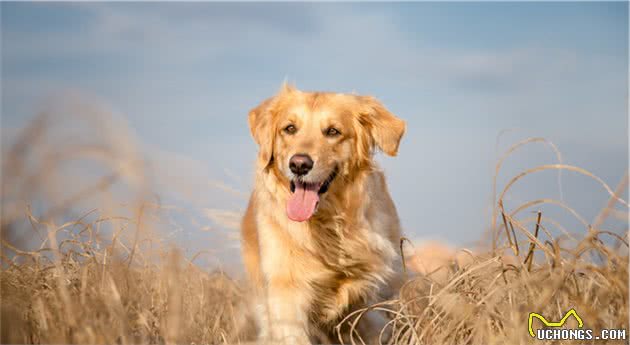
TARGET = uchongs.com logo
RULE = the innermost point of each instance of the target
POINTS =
(553, 330)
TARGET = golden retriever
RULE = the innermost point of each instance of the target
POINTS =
(320, 233)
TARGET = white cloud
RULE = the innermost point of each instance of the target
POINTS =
(186, 74)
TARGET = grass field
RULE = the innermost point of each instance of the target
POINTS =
(102, 275)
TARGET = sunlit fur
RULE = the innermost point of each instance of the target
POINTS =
(308, 275)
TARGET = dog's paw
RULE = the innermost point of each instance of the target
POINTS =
(289, 340)
(285, 335)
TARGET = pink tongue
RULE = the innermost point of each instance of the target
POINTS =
(301, 204)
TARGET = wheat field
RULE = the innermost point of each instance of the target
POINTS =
(81, 267)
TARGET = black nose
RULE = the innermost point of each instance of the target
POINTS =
(300, 164)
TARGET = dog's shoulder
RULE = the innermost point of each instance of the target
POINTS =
(249, 242)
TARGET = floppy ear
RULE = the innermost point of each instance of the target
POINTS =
(384, 127)
(261, 126)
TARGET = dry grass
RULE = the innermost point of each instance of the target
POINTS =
(79, 266)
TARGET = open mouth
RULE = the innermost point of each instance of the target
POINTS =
(304, 198)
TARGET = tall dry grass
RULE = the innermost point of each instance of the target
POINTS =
(85, 260)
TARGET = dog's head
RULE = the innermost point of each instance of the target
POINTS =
(310, 139)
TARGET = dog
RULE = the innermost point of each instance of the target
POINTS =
(321, 232)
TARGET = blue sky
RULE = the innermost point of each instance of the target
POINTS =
(185, 74)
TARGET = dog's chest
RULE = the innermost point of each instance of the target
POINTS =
(355, 269)
(342, 263)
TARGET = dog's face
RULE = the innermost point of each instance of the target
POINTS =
(310, 139)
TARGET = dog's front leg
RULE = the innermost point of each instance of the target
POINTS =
(285, 318)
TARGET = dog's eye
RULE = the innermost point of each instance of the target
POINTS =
(290, 129)
(332, 132)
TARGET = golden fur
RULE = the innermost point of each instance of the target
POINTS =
(308, 275)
